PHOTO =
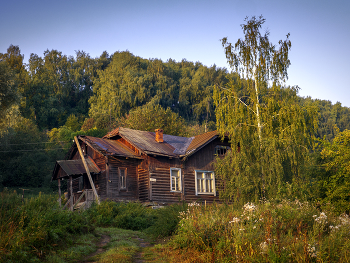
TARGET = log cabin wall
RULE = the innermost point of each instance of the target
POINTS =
(100, 180)
(143, 186)
(159, 189)
(116, 191)
(202, 160)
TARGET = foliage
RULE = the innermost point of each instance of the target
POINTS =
(31, 229)
(149, 118)
(24, 159)
(268, 232)
(270, 133)
(166, 220)
(130, 82)
(8, 89)
(336, 161)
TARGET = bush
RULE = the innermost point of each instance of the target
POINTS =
(133, 216)
(166, 220)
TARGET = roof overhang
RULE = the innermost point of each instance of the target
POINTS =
(74, 168)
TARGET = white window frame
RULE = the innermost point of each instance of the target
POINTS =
(179, 178)
(204, 184)
(122, 183)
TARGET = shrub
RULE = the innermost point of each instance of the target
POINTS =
(166, 220)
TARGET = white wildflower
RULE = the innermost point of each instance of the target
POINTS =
(312, 251)
(235, 220)
(322, 218)
(344, 219)
(249, 207)
(264, 247)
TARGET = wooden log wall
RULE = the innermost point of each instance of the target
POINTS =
(202, 160)
(143, 178)
(114, 190)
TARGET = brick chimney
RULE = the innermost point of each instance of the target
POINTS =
(159, 135)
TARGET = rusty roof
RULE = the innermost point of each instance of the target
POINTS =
(146, 142)
(74, 167)
(173, 146)
(201, 140)
(108, 147)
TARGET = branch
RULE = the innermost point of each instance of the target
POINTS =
(240, 100)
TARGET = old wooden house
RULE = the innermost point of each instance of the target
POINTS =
(129, 164)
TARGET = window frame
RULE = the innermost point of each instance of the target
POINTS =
(221, 148)
(213, 182)
(180, 180)
(122, 184)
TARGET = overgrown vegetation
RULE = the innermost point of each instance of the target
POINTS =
(287, 231)
(36, 227)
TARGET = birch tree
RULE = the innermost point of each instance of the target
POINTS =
(270, 132)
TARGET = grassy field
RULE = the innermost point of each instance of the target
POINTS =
(37, 230)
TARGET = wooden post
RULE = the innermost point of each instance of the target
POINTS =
(107, 177)
(23, 194)
(59, 192)
(86, 168)
(149, 186)
(71, 192)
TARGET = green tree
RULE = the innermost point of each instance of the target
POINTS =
(8, 89)
(24, 160)
(336, 157)
(269, 131)
(150, 117)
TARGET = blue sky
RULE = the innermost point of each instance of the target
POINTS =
(192, 30)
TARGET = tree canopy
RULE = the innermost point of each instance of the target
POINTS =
(261, 118)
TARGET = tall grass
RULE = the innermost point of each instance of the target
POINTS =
(30, 229)
(267, 232)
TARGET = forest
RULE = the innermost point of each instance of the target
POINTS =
(52, 98)
(285, 190)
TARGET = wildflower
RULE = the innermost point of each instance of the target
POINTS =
(193, 204)
(235, 220)
(344, 219)
(249, 207)
(312, 251)
(322, 218)
(264, 247)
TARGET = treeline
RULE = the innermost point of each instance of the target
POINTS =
(52, 98)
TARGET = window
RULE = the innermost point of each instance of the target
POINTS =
(221, 150)
(175, 179)
(122, 178)
(205, 183)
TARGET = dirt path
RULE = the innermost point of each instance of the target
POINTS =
(138, 258)
(105, 239)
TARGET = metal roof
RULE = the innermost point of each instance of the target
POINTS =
(108, 147)
(75, 167)
(201, 140)
(173, 146)
(146, 142)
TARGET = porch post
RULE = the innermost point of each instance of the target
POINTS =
(87, 169)
(59, 192)
(71, 192)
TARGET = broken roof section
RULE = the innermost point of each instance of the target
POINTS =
(108, 147)
(73, 167)
(173, 146)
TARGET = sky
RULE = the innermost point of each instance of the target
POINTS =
(191, 30)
